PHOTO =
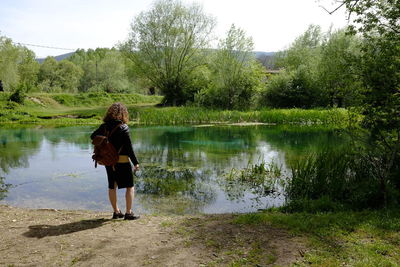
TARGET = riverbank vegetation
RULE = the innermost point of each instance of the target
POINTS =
(356, 68)
(46, 108)
(168, 53)
(330, 194)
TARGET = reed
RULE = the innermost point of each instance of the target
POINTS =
(90, 107)
(195, 115)
(261, 179)
(337, 180)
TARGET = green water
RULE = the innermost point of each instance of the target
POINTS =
(184, 169)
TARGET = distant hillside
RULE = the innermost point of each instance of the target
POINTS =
(58, 58)
(266, 58)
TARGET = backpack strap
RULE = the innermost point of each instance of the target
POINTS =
(113, 130)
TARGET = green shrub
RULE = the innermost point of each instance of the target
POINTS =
(295, 89)
(18, 96)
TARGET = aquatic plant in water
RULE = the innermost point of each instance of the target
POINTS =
(3, 188)
(185, 182)
(261, 179)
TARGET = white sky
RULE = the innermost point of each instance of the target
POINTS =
(273, 24)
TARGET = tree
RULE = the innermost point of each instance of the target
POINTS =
(337, 71)
(18, 67)
(9, 56)
(236, 74)
(378, 23)
(28, 69)
(320, 69)
(68, 76)
(166, 45)
(59, 76)
(297, 86)
(47, 76)
(304, 51)
(104, 69)
(111, 74)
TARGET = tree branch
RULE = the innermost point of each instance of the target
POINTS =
(333, 11)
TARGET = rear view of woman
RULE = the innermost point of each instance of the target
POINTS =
(121, 174)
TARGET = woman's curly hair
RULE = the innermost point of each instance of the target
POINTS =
(117, 111)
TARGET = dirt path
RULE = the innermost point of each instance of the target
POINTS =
(85, 238)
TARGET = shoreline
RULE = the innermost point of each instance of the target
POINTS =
(86, 238)
(48, 237)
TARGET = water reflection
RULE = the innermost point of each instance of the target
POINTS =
(188, 189)
(184, 169)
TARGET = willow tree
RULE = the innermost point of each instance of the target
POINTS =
(167, 45)
(236, 74)
(9, 57)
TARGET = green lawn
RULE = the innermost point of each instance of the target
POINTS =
(365, 238)
(67, 109)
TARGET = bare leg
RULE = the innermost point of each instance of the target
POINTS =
(129, 198)
(112, 195)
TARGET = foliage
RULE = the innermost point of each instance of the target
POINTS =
(378, 22)
(320, 70)
(18, 96)
(103, 70)
(291, 89)
(166, 45)
(337, 70)
(236, 75)
(63, 76)
(9, 56)
(28, 69)
(47, 74)
(17, 66)
(305, 50)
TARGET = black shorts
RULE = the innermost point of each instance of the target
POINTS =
(121, 174)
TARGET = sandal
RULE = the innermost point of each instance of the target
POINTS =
(131, 216)
(117, 215)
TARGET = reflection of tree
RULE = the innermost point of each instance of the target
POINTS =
(16, 146)
(181, 164)
(195, 147)
(78, 135)
(296, 142)
(219, 149)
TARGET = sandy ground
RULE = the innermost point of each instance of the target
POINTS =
(86, 238)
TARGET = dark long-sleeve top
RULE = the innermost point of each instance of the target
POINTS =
(120, 138)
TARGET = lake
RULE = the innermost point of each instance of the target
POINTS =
(184, 169)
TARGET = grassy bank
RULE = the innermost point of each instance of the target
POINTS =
(65, 109)
(367, 238)
(194, 115)
(69, 109)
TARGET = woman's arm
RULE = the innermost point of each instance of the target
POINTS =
(128, 143)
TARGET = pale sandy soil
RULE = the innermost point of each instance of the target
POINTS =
(86, 238)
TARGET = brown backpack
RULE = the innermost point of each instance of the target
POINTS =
(104, 152)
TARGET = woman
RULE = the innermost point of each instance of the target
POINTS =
(120, 175)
